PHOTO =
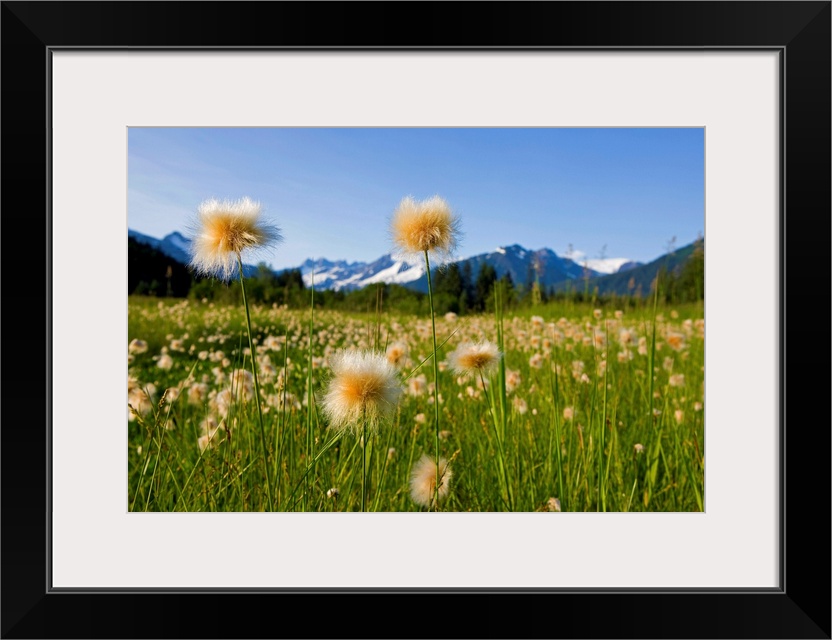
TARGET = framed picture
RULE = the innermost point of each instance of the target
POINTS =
(81, 78)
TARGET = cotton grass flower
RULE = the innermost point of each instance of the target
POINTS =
(139, 401)
(242, 384)
(417, 385)
(423, 479)
(536, 361)
(171, 394)
(513, 380)
(676, 341)
(520, 405)
(476, 359)
(363, 392)
(137, 346)
(197, 393)
(472, 358)
(397, 354)
(224, 229)
(364, 389)
(210, 430)
(427, 226)
(220, 402)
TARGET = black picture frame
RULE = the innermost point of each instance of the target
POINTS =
(799, 608)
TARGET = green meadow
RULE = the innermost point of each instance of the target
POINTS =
(591, 407)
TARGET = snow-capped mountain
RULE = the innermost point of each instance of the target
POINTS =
(609, 265)
(523, 265)
(343, 275)
(176, 246)
(634, 277)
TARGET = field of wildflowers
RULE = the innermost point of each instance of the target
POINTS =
(573, 408)
(565, 417)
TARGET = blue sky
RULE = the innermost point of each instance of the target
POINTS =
(623, 193)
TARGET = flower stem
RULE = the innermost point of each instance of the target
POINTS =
(310, 399)
(500, 450)
(364, 460)
(435, 382)
(256, 386)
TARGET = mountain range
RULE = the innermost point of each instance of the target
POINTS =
(637, 280)
(177, 247)
(552, 271)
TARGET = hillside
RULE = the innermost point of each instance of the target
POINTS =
(637, 280)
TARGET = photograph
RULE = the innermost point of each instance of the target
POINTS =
(474, 319)
(415, 308)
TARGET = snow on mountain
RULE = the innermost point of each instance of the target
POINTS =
(606, 265)
(328, 274)
(176, 246)
(400, 272)
(347, 276)
(518, 262)
(603, 266)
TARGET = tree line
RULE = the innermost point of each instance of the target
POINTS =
(456, 288)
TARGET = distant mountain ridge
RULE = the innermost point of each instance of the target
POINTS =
(521, 264)
(177, 247)
(347, 276)
(636, 280)
(174, 245)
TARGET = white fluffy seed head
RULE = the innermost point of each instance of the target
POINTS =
(223, 230)
(423, 480)
(425, 226)
(364, 388)
(475, 358)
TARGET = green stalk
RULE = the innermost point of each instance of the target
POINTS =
(435, 381)
(363, 460)
(281, 433)
(256, 387)
(501, 459)
(656, 444)
(409, 465)
(589, 452)
(140, 483)
(311, 465)
(602, 498)
(498, 312)
(309, 395)
(380, 485)
(556, 392)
